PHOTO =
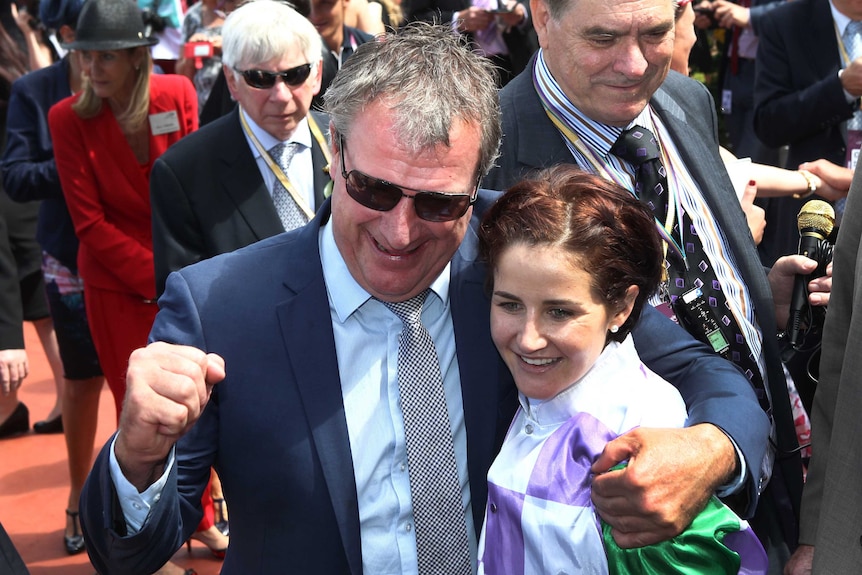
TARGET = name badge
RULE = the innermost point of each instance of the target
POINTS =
(854, 140)
(164, 123)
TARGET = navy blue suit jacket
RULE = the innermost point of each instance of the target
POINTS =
(531, 141)
(29, 171)
(275, 428)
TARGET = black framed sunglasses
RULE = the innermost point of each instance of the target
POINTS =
(263, 80)
(382, 196)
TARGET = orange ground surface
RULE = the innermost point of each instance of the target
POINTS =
(34, 483)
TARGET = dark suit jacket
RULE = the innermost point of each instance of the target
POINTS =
(832, 503)
(275, 428)
(798, 101)
(20, 259)
(531, 142)
(29, 170)
(208, 196)
(521, 41)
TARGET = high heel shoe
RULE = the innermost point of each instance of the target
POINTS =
(17, 423)
(204, 537)
(220, 520)
(49, 425)
(75, 541)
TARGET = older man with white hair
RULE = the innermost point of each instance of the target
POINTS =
(263, 168)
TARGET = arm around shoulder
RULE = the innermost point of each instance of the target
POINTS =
(715, 392)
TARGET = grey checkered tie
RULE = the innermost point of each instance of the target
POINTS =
(289, 213)
(441, 531)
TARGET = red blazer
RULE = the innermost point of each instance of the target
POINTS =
(108, 191)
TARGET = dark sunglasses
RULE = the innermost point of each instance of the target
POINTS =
(382, 196)
(264, 80)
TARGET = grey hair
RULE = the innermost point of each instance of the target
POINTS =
(260, 30)
(427, 77)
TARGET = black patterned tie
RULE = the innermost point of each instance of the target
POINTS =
(441, 532)
(638, 146)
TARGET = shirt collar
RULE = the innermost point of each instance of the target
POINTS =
(841, 21)
(565, 404)
(345, 293)
(300, 135)
(596, 135)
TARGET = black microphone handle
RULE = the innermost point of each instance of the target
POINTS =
(808, 245)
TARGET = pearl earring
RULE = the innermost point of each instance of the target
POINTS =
(615, 328)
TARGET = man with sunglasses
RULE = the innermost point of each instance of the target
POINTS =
(308, 418)
(222, 187)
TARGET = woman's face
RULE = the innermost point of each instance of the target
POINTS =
(546, 322)
(683, 41)
(112, 73)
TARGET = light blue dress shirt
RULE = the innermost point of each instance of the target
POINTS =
(366, 342)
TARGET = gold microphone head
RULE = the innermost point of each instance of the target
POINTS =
(816, 216)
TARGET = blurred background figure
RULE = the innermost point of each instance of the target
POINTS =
(22, 290)
(501, 30)
(164, 22)
(202, 34)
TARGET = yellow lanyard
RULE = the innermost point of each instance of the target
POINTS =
(277, 171)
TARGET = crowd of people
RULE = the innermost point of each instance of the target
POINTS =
(439, 287)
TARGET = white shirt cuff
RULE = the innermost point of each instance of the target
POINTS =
(136, 506)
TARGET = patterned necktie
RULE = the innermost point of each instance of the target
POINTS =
(289, 213)
(639, 147)
(441, 532)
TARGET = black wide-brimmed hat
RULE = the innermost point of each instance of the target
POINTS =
(110, 25)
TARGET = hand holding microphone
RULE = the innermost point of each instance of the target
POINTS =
(815, 221)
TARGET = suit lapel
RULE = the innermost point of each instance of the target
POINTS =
(540, 144)
(310, 347)
(243, 184)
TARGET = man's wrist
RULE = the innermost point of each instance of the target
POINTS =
(141, 474)
(727, 462)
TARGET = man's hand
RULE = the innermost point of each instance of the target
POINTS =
(14, 367)
(167, 388)
(851, 78)
(517, 13)
(670, 476)
(781, 278)
(754, 215)
(834, 179)
(474, 19)
(728, 14)
(800, 562)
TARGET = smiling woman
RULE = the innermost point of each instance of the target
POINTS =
(568, 285)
